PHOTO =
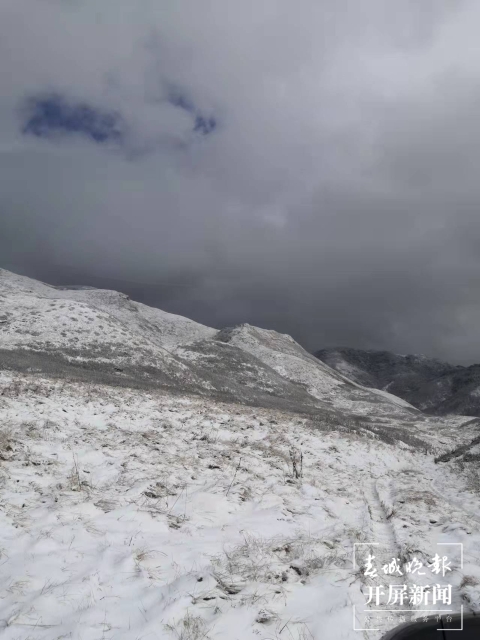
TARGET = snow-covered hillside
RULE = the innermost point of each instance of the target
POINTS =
(130, 514)
(291, 361)
(108, 314)
(73, 330)
(224, 499)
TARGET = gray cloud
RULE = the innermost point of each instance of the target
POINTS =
(335, 198)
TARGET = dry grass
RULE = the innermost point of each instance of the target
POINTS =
(143, 554)
(469, 581)
(273, 561)
(6, 442)
(75, 483)
(189, 628)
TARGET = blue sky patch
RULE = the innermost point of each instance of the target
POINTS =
(52, 114)
(201, 123)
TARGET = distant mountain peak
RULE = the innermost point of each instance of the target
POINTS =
(427, 383)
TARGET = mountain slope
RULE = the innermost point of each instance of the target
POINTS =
(161, 479)
(455, 392)
(291, 361)
(428, 384)
(381, 369)
(132, 514)
(104, 336)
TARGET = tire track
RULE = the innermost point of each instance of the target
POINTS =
(384, 550)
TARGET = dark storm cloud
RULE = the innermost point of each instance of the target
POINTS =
(309, 167)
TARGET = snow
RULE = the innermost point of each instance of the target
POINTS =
(394, 399)
(148, 514)
(347, 369)
(291, 361)
(40, 315)
(105, 327)
(286, 357)
(128, 514)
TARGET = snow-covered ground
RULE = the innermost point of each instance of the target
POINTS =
(140, 515)
(158, 513)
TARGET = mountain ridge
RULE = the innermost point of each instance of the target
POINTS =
(103, 333)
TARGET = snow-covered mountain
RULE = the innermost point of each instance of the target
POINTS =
(164, 480)
(104, 336)
(433, 386)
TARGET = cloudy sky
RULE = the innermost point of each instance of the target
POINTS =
(308, 166)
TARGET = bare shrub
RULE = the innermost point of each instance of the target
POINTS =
(296, 458)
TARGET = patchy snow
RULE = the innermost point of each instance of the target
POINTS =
(106, 329)
(36, 314)
(286, 357)
(127, 514)
(138, 514)
(345, 368)
(394, 399)
(292, 362)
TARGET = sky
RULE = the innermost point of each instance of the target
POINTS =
(309, 167)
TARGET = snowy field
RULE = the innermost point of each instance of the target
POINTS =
(141, 515)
